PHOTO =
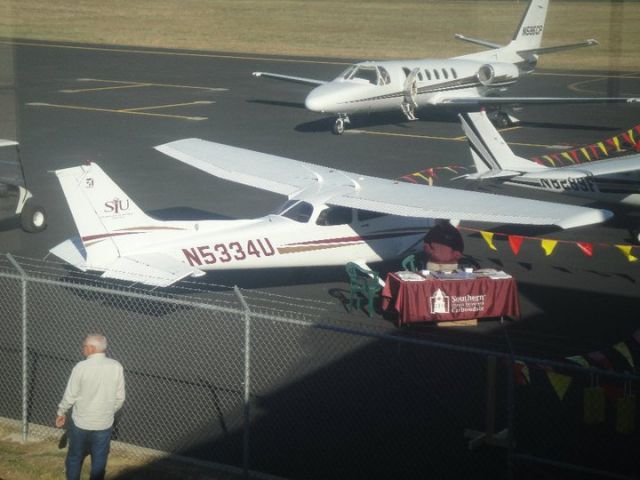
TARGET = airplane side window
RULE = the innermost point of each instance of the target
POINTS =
(426, 72)
(453, 72)
(435, 72)
(406, 71)
(300, 212)
(419, 75)
(335, 216)
(444, 72)
(385, 79)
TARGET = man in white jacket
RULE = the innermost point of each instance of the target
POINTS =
(96, 392)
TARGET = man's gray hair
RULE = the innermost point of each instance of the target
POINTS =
(97, 340)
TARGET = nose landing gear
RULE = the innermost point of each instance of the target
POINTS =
(338, 127)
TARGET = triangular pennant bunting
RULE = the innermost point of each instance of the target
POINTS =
(626, 249)
(515, 242)
(625, 352)
(488, 237)
(587, 248)
(560, 383)
(548, 246)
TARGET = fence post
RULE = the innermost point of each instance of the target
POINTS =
(247, 384)
(25, 353)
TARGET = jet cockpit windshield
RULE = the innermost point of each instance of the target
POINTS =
(372, 74)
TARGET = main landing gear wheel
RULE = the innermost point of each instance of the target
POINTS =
(500, 120)
(33, 218)
(338, 127)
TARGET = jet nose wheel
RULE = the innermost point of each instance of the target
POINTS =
(338, 127)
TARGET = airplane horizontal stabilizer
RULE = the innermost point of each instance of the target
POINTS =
(289, 78)
(477, 41)
(72, 251)
(558, 48)
(153, 269)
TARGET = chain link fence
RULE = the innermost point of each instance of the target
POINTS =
(257, 383)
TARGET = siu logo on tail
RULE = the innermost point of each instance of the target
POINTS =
(116, 206)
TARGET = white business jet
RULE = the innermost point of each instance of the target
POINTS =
(615, 181)
(33, 217)
(468, 81)
(331, 217)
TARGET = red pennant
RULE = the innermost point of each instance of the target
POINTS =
(515, 242)
(594, 150)
(574, 155)
(625, 136)
(587, 248)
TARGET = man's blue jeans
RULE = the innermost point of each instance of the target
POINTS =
(83, 443)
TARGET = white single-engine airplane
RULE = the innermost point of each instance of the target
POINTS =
(464, 82)
(615, 181)
(33, 217)
(331, 217)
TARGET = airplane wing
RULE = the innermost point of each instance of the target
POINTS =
(514, 101)
(558, 48)
(289, 78)
(628, 164)
(338, 187)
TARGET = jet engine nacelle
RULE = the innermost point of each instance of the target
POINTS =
(497, 73)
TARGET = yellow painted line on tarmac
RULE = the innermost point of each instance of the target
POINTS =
(176, 54)
(108, 110)
(121, 84)
(461, 138)
(175, 105)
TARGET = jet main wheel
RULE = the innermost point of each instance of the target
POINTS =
(33, 218)
(338, 127)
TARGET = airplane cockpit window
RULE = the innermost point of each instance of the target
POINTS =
(385, 78)
(335, 216)
(348, 72)
(362, 72)
(299, 211)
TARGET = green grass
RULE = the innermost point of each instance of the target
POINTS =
(361, 29)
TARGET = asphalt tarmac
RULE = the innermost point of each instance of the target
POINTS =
(74, 103)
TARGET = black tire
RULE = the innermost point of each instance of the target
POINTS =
(338, 127)
(33, 217)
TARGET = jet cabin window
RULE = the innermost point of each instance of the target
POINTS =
(427, 73)
(335, 216)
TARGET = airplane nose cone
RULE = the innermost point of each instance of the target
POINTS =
(315, 101)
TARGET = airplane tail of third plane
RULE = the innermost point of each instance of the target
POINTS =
(491, 154)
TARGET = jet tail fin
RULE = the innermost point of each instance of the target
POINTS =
(491, 154)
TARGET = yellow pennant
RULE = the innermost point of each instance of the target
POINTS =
(549, 159)
(624, 351)
(603, 148)
(630, 133)
(548, 246)
(488, 237)
(616, 142)
(585, 153)
(626, 249)
(568, 157)
(560, 383)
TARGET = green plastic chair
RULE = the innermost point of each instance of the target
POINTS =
(363, 285)
(409, 263)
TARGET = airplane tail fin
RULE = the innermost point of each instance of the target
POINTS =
(491, 155)
(102, 212)
(528, 35)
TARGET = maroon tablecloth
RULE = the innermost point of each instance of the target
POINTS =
(435, 300)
